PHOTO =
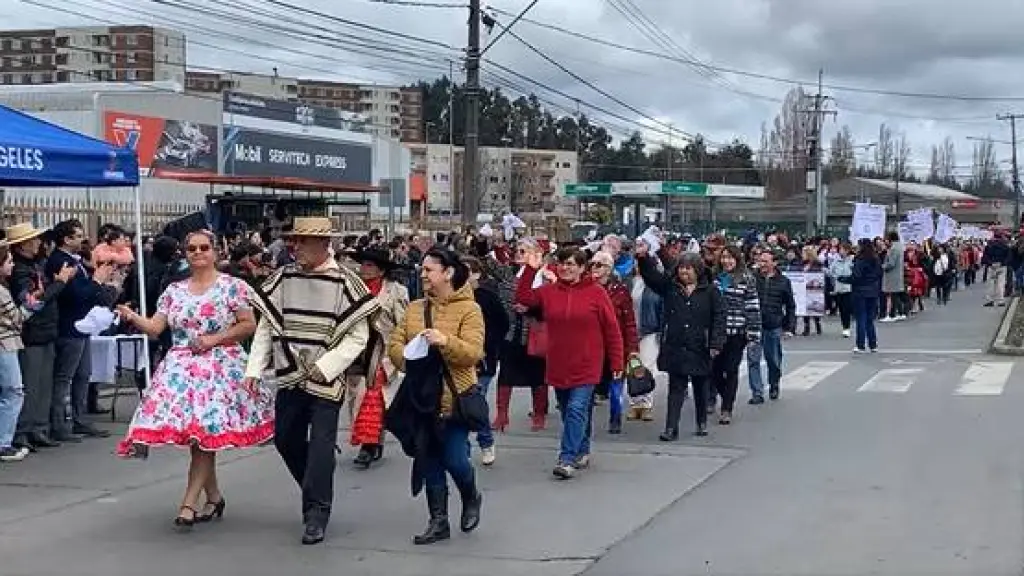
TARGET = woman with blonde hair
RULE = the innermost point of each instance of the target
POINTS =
(198, 397)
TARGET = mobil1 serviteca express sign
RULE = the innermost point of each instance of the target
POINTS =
(249, 152)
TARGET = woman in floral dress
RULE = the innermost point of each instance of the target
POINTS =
(198, 397)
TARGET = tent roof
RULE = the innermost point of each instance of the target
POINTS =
(34, 152)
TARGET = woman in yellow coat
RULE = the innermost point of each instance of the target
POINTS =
(457, 332)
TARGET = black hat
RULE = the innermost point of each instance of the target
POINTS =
(377, 256)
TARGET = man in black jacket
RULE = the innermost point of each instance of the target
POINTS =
(39, 334)
(73, 366)
(778, 320)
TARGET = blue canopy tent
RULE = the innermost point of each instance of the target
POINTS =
(36, 153)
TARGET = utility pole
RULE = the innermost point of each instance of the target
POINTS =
(471, 151)
(1013, 160)
(451, 141)
(820, 204)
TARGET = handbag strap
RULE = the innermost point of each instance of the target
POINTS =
(428, 321)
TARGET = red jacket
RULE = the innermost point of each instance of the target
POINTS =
(582, 329)
(622, 303)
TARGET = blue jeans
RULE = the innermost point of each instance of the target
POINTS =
(452, 457)
(577, 408)
(12, 397)
(485, 437)
(865, 309)
(770, 347)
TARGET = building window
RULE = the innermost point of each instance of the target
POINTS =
(132, 75)
(131, 57)
(62, 76)
(131, 40)
(36, 45)
(7, 79)
(47, 78)
(26, 78)
(15, 44)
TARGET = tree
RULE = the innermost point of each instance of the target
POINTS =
(885, 152)
(985, 170)
(902, 156)
(947, 164)
(842, 160)
(783, 156)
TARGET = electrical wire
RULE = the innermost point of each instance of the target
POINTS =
(418, 4)
(760, 76)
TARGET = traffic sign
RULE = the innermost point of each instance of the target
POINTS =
(684, 188)
(589, 189)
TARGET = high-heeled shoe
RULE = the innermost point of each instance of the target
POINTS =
(184, 523)
(217, 512)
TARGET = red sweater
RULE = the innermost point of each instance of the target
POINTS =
(582, 329)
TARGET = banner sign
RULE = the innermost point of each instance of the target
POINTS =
(255, 153)
(292, 112)
(868, 222)
(164, 147)
(808, 292)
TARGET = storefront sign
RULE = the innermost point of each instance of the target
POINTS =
(254, 153)
(292, 112)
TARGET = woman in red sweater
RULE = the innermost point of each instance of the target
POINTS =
(601, 268)
(582, 334)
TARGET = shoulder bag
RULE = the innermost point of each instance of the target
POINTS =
(469, 408)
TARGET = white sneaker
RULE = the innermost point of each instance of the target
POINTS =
(846, 333)
(487, 456)
(901, 318)
(564, 471)
(887, 319)
(859, 351)
(12, 454)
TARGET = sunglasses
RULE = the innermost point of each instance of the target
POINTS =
(192, 248)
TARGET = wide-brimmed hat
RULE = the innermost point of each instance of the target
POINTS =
(378, 257)
(319, 227)
(21, 232)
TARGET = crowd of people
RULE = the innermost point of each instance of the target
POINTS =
(266, 338)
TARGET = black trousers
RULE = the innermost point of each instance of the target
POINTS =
(305, 434)
(677, 386)
(844, 302)
(725, 369)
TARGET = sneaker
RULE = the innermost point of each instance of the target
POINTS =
(901, 317)
(12, 454)
(564, 471)
(487, 456)
(887, 320)
(859, 351)
(846, 333)
(583, 462)
(756, 400)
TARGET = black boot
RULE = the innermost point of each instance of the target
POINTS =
(438, 528)
(472, 501)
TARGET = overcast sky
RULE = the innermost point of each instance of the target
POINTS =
(946, 47)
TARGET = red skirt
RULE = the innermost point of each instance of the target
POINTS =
(369, 422)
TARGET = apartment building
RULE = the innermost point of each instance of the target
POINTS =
(391, 111)
(92, 54)
(520, 180)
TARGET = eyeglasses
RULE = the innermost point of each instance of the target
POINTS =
(192, 248)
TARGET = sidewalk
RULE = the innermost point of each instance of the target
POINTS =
(79, 510)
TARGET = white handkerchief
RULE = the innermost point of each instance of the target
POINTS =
(416, 348)
(486, 231)
(96, 321)
(650, 237)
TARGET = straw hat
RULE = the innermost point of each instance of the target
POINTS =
(318, 227)
(21, 232)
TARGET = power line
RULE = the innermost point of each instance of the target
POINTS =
(591, 85)
(761, 76)
(419, 4)
(505, 29)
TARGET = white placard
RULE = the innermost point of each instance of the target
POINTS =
(923, 221)
(868, 221)
(945, 229)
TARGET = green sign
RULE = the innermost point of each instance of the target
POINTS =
(684, 188)
(589, 189)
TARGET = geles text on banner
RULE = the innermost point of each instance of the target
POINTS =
(18, 158)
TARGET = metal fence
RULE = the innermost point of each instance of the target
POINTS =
(44, 212)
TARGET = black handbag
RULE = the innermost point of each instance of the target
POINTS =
(639, 380)
(469, 408)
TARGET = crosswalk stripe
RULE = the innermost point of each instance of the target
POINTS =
(809, 375)
(985, 379)
(894, 380)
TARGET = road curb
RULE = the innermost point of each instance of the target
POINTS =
(999, 345)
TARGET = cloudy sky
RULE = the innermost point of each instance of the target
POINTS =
(952, 60)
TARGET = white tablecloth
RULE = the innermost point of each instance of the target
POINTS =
(104, 351)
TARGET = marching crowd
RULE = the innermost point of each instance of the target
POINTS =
(265, 339)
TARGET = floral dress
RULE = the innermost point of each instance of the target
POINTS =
(201, 399)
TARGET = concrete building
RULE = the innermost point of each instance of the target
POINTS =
(524, 181)
(392, 111)
(92, 54)
(158, 118)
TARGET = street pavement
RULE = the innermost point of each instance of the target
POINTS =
(905, 462)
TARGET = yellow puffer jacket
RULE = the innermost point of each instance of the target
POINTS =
(459, 318)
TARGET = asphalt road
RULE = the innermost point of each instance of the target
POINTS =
(905, 462)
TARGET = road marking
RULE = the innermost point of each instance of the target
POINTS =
(809, 375)
(985, 379)
(886, 351)
(894, 380)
